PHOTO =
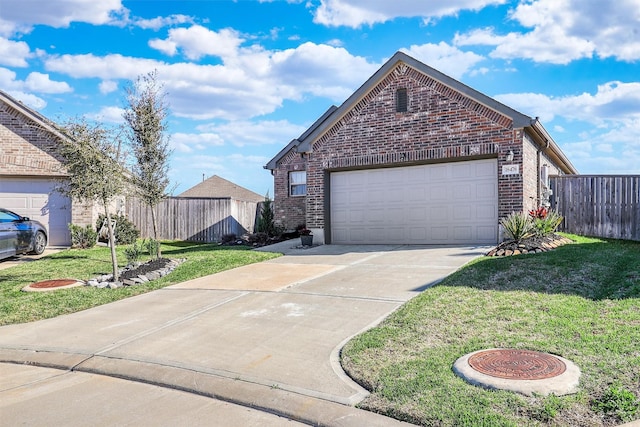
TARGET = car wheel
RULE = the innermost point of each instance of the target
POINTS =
(39, 243)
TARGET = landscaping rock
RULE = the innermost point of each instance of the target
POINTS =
(137, 274)
(529, 246)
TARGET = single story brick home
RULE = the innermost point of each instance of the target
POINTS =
(414, 157)
(30, 170)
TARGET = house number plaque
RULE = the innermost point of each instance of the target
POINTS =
(510, 169)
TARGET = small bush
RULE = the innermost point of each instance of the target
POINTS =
(618, 402)
(228, 239)
(518, 226)
(133, 253)
(259, 238)
(83, 237)
(126, 232)
(547, 224)
(152, 246)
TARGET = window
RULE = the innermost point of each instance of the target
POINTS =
(298, 183)
(401, 100)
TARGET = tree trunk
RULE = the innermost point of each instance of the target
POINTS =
(112, 245)
(155, 231)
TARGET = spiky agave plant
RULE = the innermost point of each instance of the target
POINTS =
(518, 226)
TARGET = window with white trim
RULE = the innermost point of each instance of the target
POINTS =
(298, 183)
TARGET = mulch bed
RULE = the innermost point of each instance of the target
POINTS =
(529, 245)
(147, 267)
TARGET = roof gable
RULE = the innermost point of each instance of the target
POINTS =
(441, 82)
(217, 187)
(31, 114)
(434, 79)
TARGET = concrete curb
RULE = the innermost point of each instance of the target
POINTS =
(298, 407)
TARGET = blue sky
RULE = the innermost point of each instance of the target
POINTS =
(245, 77)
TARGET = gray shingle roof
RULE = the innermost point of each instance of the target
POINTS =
(216, 187)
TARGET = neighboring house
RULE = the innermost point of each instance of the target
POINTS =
(216, 187)
(414, 157)
(30, 170)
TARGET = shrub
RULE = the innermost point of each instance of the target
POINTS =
(126, 232)
(259, 238)
(518, 226)
(152, 246)
(618, 402)
(133, 253)
(266, 222)
(547, 224)
(228, 239)
(83, 237)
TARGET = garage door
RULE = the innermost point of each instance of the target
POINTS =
(37, 199)
(449, 203)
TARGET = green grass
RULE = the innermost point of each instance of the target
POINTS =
(19, 307)
(580, 301)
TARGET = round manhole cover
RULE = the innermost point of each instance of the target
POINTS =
(52, 285)
(517, 364)
(56, 283)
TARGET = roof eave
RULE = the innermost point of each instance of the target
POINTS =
(550, 147)
(33, 115)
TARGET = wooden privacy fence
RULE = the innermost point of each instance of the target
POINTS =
(196, 220)
(601, 206)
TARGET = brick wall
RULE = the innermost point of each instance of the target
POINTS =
(441, 125)
(289, 211)
(25, 147)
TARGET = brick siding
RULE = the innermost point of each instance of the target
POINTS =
(441, 125)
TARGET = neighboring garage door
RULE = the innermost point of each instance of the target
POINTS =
(36, 199)
(447, 203)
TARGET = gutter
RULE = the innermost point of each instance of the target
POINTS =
(550, 147)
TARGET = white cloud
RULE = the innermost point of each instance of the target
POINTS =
(563, 31)
(168, 47)
(250, 83)
(355, 13)
(245, 133)
(29, 99)
(612, 101)
(163, 21)
(609, 120)
(39, 82)
(35, 82)
(445, 58)
(13, 54)
(198, 41)
(21, 15)
(108, 115)
(107, 86)
(188, 142)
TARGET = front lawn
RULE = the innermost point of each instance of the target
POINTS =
(18, 307)
(580, 301)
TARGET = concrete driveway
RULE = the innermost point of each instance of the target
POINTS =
(265, 336)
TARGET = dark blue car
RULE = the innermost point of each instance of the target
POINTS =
(20, 235)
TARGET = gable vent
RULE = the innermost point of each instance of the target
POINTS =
(401, 100)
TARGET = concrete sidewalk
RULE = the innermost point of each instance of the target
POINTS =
(265, 336)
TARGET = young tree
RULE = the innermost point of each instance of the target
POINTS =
(145, 116)
(93, 161)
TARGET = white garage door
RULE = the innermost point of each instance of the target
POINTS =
(448, 203)
(36, 199)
